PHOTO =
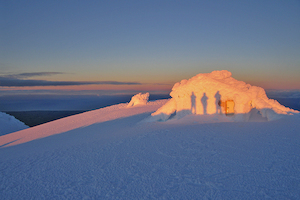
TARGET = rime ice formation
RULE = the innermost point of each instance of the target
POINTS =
(9, 124)
(139, 99)
(208, 93)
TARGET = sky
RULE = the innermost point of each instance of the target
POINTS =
(146, 45)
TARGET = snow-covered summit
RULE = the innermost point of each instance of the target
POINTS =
(9, 124)
(216, 93)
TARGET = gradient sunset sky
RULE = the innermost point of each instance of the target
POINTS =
(147, 45)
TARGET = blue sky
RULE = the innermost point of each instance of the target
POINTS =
(149, 42)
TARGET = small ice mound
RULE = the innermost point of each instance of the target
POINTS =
(139, 99)
(218, 93)
(9, 124)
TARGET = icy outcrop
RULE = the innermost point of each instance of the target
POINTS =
(208, 94)
(139, 99)
(9, 124)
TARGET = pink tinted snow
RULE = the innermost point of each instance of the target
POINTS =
(77, 121)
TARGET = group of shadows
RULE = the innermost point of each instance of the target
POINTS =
(203, 100)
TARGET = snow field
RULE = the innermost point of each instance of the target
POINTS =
(126, 157)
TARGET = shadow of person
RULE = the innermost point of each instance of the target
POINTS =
(193, 103)
(204, 103)
(218, 103)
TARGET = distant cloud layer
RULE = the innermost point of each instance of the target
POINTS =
(27, 75)
(19, 80)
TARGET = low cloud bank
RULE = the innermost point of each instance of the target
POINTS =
(16, 82)
(21, 80)
(28, 75)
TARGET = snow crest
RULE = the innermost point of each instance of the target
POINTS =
(207, 94)
(9, 124)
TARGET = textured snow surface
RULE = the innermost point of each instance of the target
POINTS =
(115, 153)
(9, 124)
(205, 93)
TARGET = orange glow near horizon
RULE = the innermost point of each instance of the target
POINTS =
(279, 85)
(264, 82)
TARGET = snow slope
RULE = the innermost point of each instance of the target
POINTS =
(114, 153)
(77, 121)
(9, 124)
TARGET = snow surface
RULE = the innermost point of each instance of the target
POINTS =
(116, 153)
(9, 124)
(206, 93)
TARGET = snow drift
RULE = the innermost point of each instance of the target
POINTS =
(208, 94)
(9, 124)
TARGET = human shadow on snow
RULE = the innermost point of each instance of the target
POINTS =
(218, 103)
